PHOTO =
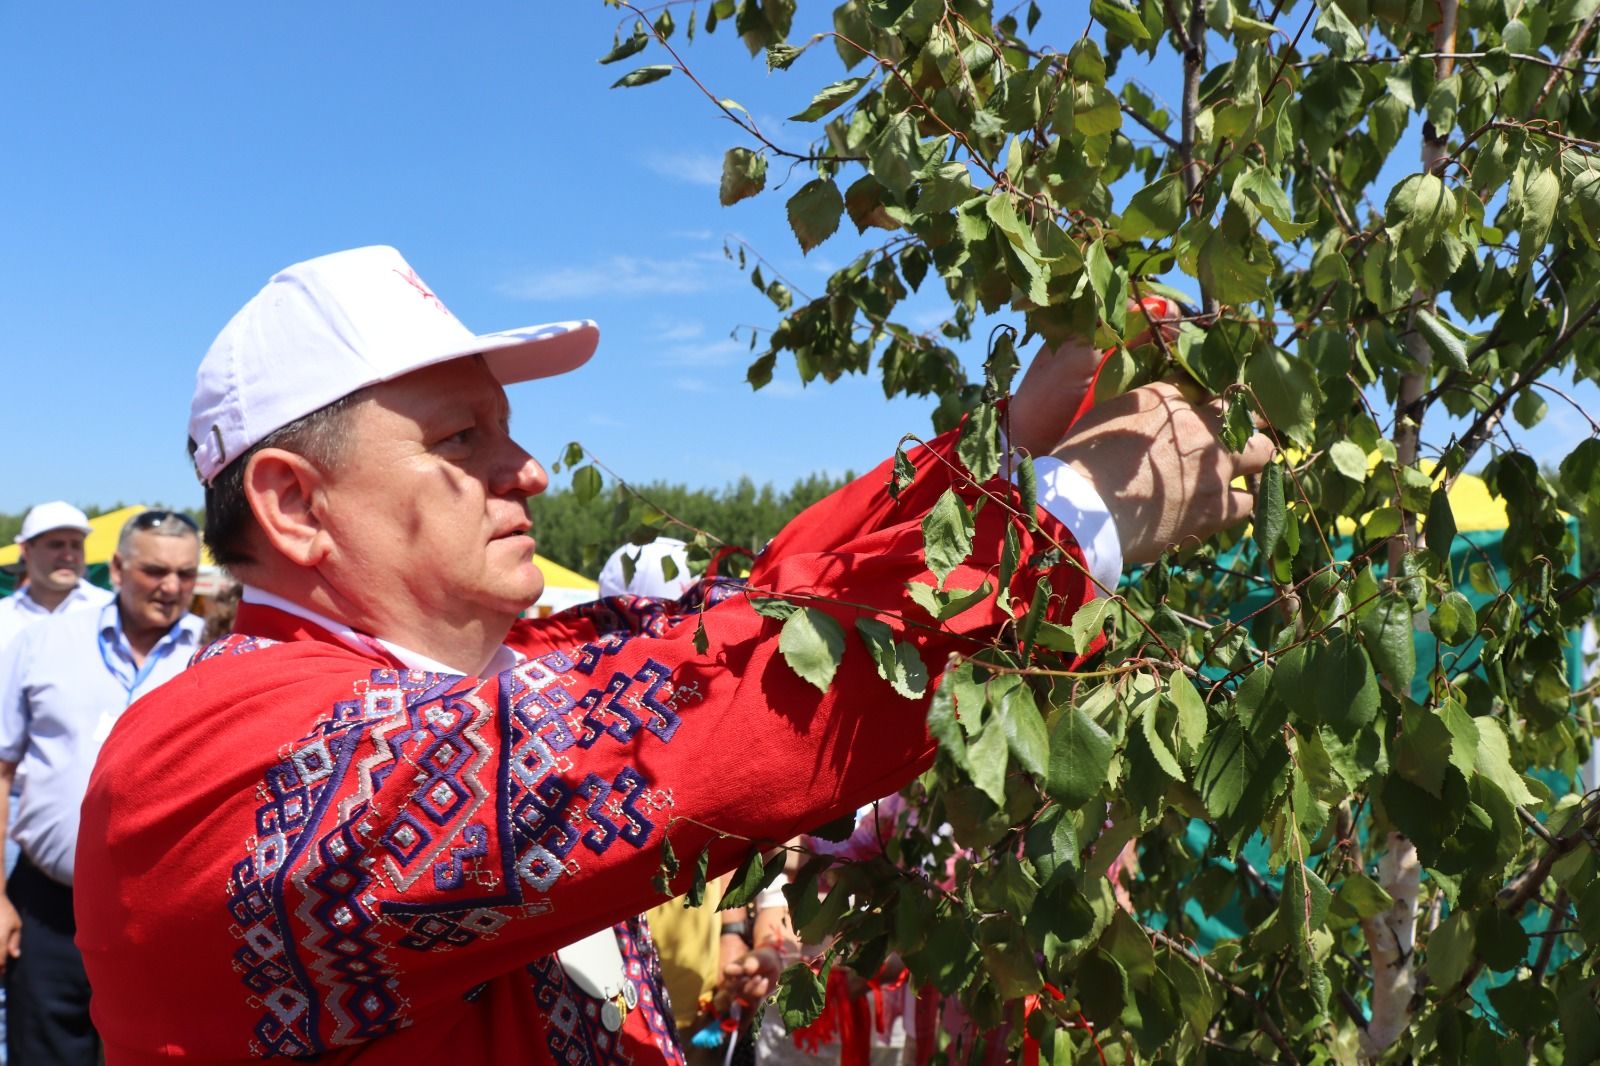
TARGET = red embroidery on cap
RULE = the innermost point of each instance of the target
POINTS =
(409, 276)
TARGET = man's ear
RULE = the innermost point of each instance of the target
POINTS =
(284, 490)
(116, 570)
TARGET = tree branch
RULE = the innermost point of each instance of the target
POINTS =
(1263, 1019)
(1489, 417)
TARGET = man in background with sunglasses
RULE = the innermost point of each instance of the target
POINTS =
(63, 684)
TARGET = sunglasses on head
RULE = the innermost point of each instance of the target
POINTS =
(151, 519)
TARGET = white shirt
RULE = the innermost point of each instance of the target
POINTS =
(20, 610)
(63, 685)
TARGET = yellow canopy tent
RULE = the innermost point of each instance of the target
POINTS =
(563, 587)
(98, 546)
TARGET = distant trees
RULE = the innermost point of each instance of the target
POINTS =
(574, 528)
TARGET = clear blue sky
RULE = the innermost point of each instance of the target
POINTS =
(160, 161)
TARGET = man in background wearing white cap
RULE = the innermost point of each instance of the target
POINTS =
(361, 826)
(52, 559)
(63, 683)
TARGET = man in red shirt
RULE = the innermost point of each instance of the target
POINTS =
(365, 824)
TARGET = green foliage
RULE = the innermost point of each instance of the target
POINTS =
(578, 529)
(1265, 712)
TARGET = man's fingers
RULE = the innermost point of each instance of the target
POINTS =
(1237, 507)
(1258, 452)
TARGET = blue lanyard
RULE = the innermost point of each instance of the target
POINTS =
(140, 676)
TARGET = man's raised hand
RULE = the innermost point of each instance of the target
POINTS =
(1158, 461)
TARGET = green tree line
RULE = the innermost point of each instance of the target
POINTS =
(576, 529)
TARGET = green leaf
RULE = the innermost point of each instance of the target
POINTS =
(1080, 758)
(1089, 621)
(943, 605)
(814, 212)
(586, 483)
(754, 874)
(1304, 903)
(1454, 621)
(1493, 760)
(1536, 198)
(829, 98)
(1450, 950)
(986, 761)
(893, 153)
(1238, 427)
(1024, 726)
(947, 535)
(744, 173)
(1286, 388)
(1335, 30)
(773, 607)
(1362, 897)
(1349, 460)
(1261, 190)
(1119, 19)
(1155, 210)
(802, 994)
(1150, 728)
(1339, 686)
(1529, 409)
(898, 664)
(1191, 716)
(1440, 529)
(782, 56)
(1388, 633)
(697, 887)
(1444, 342)
(1269, 512)
(632, 46)
(668, 869)
(812, 644)
(643, 76)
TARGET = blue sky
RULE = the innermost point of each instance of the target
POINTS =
(162, 160)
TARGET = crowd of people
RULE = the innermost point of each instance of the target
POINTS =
(385, 816)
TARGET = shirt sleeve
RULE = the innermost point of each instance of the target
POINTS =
(464, 826)
(14, 714)
(1073, 500)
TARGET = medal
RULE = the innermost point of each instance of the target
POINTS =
(611, 1014)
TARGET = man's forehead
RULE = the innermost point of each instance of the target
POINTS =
(57, 536)
(442, 389)
(173, 549)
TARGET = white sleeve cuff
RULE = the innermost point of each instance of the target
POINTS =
(1073, 501)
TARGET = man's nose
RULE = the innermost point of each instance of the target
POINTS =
(522, 475)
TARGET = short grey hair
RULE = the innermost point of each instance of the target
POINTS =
(323, 436)
(168, 524)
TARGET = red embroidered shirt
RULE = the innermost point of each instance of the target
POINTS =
(298, 848)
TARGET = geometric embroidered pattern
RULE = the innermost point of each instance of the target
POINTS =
(574, 1032)
(424, 814)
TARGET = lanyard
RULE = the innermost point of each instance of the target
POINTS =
(141, 675)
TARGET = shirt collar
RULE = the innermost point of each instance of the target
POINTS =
(26, 601)
(503, 659)
(186, 629)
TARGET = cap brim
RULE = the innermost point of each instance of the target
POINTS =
(76, 526)
(531, 352)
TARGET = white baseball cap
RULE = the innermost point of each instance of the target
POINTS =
(649, 576)
(324, 328)
(57, 514)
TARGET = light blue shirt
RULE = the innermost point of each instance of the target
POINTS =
(20, 610)
(63, 684)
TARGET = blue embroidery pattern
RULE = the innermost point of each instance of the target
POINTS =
(337, 880)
